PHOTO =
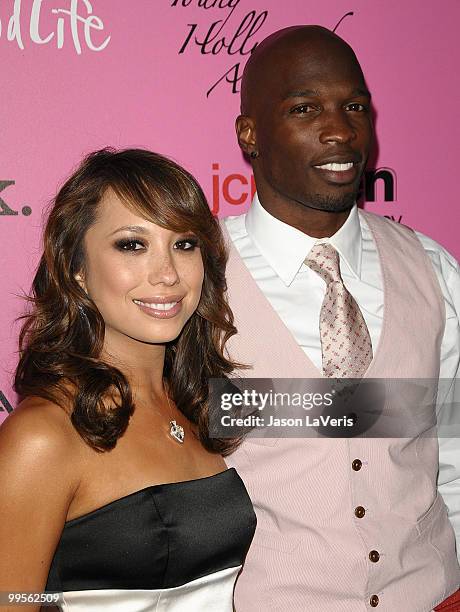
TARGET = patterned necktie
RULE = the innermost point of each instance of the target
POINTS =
(345, 340)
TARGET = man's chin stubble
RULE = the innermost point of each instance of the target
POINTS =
(332, 204)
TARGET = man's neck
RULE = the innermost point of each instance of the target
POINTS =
(311, 221)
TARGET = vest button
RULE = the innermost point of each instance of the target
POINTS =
(360, 512)
(374, 556)
(374, 601)
(357, 465)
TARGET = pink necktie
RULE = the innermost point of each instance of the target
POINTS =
(345, 340)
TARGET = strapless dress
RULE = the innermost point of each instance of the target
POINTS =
(175, 547)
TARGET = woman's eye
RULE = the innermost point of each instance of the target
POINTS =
(187, 244)
(129, 245)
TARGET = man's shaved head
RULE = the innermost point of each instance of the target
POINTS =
(260, 65)
(306, 123)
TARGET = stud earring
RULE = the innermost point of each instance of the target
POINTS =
(254, 154)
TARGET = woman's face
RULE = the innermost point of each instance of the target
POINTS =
(145, 280)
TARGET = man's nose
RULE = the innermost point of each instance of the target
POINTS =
(337, 128)
(163, 270)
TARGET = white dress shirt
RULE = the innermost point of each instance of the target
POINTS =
(274, 253)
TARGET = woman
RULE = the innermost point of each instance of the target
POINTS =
(112, 490)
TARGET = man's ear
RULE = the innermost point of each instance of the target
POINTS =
(246, 133)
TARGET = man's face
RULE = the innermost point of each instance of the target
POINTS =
(313, 127)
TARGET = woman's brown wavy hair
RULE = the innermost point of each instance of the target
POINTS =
(62, 336)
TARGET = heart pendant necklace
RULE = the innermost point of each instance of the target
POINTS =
(175, 431)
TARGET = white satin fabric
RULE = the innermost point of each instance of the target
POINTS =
(211, 593)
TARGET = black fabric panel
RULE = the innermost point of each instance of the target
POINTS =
(160, 537)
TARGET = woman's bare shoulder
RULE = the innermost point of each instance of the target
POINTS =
(39, 476)
(39, 437)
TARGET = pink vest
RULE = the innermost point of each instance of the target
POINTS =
(311, 551)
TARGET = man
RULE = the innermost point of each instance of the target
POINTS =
(343, 524)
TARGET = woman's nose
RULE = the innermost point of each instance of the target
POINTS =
(164, 271)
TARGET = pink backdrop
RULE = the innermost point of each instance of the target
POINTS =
(78, 75)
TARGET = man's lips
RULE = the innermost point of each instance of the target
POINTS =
(339, 169)
(343, 157)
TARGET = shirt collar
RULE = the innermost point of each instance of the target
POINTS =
(284, 247)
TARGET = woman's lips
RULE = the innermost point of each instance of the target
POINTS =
(160, 309)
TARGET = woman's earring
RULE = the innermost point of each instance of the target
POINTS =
(83, 317)
(82, 313)
(254, 154)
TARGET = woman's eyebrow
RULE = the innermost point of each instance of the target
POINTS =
(131, 228)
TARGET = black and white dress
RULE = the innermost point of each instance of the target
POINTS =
(175, 547)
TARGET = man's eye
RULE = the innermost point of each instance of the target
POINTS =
(187, 244)
(302, 109)
(129, 245)
(356, 107)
